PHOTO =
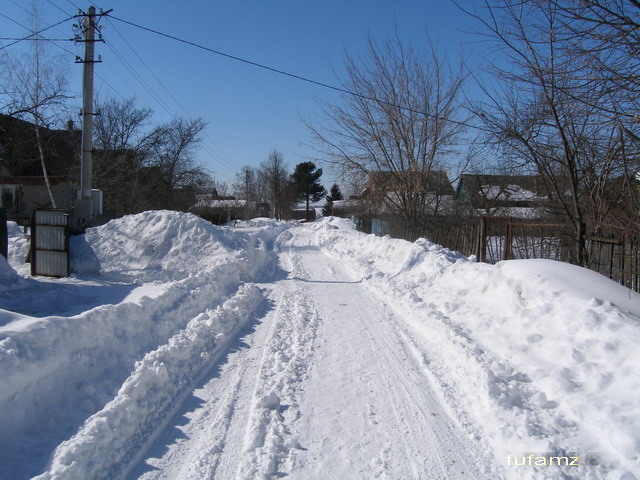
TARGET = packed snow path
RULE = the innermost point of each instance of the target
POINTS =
(180, 349)
(325, 385)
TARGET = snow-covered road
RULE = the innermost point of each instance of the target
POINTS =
(325, 385)
(184, 350)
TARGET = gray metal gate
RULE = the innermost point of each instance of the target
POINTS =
(50, 243)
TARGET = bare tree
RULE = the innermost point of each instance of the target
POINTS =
(35, 88)
(546, 112)
(245, 187)
(123, 139)
(274, 174)
(402, 118)
(607, 35)
(174, 158)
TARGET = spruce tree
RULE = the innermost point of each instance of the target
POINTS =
(305, 179)
(335, 194)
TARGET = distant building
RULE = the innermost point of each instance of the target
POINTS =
(520, 196)
(223, 209)
(386, 190)
(384, 202)
(22, 183)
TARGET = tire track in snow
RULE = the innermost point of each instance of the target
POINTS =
(241, 430)
(410, 429)
(411, 402)
(329, 388)
(270, 448)
(198, 454)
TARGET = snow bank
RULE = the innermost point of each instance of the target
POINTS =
(104, 444)
(8, 276)
(59, 370)
(13, 266)
(542, 355)
(337, 223)
(157, 245)
(18, 249)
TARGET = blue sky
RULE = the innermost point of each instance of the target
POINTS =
(249, 111)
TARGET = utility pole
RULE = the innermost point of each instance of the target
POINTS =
(84, 210)
(246, 194)
(86, 163)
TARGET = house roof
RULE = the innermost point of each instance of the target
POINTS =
(20, 152)
(32, 180)
(435, 182)
(484, 191)
(207, 200)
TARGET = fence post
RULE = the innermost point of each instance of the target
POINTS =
(507, 241)
(482, 240)
(611, 255)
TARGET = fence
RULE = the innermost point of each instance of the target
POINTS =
(50, 243)
(492, 239)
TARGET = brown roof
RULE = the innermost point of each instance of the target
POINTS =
(32, 180)
(504, 190)
(435, 182)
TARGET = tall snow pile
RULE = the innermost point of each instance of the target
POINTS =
(9, 278)
(18, 248)
(154, 300)
(155, 245)
(542, 355)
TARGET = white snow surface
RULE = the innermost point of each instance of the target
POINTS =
(183, 350)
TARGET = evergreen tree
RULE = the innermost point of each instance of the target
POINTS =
(335, 194)
(307, 187)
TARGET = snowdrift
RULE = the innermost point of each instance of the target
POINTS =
(543, 355)
(156, 246)
(151, 276)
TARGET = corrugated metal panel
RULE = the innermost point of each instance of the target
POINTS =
(50, 237)
(52, 264)
(49, 243)
(51, 217)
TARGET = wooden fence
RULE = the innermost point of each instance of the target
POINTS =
(492, 239)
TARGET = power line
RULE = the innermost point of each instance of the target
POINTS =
(32, 34)
(226, 160)
(69, 1)
(297, 77)
(221, 158)
(227, 163)
(49, 1)
(39, 39)
(216, 157)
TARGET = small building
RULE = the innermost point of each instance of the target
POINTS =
(386, 192)
(22, 182)
(388, 196)
(223, 209)
(519, 196)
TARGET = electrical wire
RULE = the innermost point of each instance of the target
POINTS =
(297, 77)
(34, 33)
(214, 156)
(49, 1)
(69, 1)
(228, 162)
(38, 39)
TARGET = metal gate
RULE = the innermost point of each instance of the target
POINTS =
(50, 243)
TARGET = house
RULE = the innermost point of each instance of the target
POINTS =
(223, 209)
(431, 192)
(390, 197)
(22, 183)
(520, 196)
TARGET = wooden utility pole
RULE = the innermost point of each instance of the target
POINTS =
(246, 194)
(86, 164)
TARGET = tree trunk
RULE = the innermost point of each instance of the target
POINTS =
(42, 163)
